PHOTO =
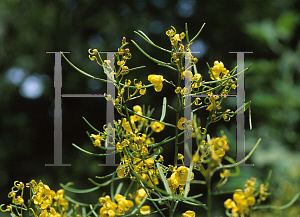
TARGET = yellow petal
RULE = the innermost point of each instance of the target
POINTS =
(145, 210)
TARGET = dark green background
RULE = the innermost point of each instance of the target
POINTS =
(270, 29)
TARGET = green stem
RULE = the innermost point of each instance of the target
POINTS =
(171, 209)
(209, 194)
(176, 131)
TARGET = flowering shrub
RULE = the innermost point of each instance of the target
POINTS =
(160, 187)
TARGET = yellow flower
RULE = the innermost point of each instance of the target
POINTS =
(44, 196)
(49, 212)
(8, 208)
(127, 82)
(98, 138)
(170, 32)
(157, 127)
(143, 91)
(149, 162)
(189, 213)
(123, 204)
(156, 80)
(108, 208)
(185, 73)
(31, 183)
(196, 158)
(121, 173)
(178, 89)
(180, 123)
(179, 177)
(60, 198)
(144, 150)
(180, 156)
(216, 70)
(137, 108)
(126, 126)
(197, 101)
(219, 145)
(145, 210)
(262, 191)
(225, 174)
(251, 182)
(139, 85)
(229, 204)
(183, 174)
(197, 77)
(141, 193)
(18, 201)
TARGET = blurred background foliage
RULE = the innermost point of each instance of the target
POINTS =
(270, 29)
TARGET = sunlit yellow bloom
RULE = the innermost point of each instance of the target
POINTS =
(60, 198)
(31, 183)
(123, 204)
(251, 182)
(143, 91)
(141, 193)
(20, 185)
(183, 174)
(137, 108)
(180, 156)
(180, 123)
(127, 82)
(170, 32)
(126, 126)
(178, 89)
(145, 210)
(185, 74)
(157, 127)
(219, 145)
(98, 138)
(251, 200)
(49, 212)
(216, 70)
(44, 196)
(121, 173)
(108, 208)
(197, 77)
(139, 85)
(197, 101)
(262, 191)
(156, 80)
(225, 174)
(188, 213)
(144, 150)
(11, 194)
(121, 63)
(196, 158)
(18, 201)
(149, 162)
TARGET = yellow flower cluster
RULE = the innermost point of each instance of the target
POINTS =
(111, 209)
(98, 138)
(179, 177)
(48, 203)
(244, 200)
(218, 71)
(219, 145)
